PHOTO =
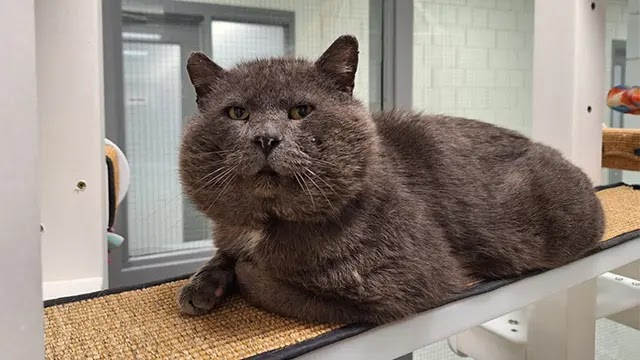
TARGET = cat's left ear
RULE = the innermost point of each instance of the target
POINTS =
(203, 72)
(340, 62)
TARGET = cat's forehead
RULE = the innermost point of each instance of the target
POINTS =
(271, 79)
(274, 68)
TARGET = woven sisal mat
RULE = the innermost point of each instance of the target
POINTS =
(621, 149)
(144, 323)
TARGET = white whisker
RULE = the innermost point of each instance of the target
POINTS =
(321, 191)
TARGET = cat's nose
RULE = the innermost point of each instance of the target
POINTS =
(266, 143)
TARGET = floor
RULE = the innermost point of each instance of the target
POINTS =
(613, 342)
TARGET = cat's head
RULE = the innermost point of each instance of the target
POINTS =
(283, 136)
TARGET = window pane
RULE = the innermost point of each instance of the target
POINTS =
(474, 59)
(233, 41)
(152, 103)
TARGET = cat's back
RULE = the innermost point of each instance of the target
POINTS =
(429, 145)
(493, 191)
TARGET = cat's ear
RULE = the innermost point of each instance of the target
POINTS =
(340, 62)
(203, 72)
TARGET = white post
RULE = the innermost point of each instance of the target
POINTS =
(568, 78)
(70, 91)
(631, 317)
(568, 106)
(21, 328)
(563, 326)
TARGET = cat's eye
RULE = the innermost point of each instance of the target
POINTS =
(299, 112)
(237, 113)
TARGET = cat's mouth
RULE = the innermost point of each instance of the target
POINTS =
(267, 171)
(265, 182)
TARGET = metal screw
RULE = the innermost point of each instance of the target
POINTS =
(514, 330)
(588, 109)
(81, 185)
(513, 322)
(618, 278)
(41, 228)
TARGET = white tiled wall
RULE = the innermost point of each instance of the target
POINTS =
(472, 58)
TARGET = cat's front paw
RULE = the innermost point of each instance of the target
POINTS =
(204, 291)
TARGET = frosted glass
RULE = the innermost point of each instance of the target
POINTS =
(153, 124)
(233, 42)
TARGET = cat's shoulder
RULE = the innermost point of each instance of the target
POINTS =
(415, 121)
(437, 124)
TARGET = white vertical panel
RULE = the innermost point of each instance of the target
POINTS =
(71, 111)
(20, 298)
(568, 107)
(563, 326)
(568, 80)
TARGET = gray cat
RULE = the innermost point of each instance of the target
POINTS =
(326, 212)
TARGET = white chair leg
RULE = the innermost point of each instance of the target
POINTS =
(563, 326)
(630, 317)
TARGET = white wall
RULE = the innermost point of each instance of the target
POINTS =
(473, 58)
(71, 106)
(21, 334)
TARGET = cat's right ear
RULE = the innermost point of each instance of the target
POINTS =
(203, 73)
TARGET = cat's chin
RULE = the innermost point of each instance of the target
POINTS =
(265, 183)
